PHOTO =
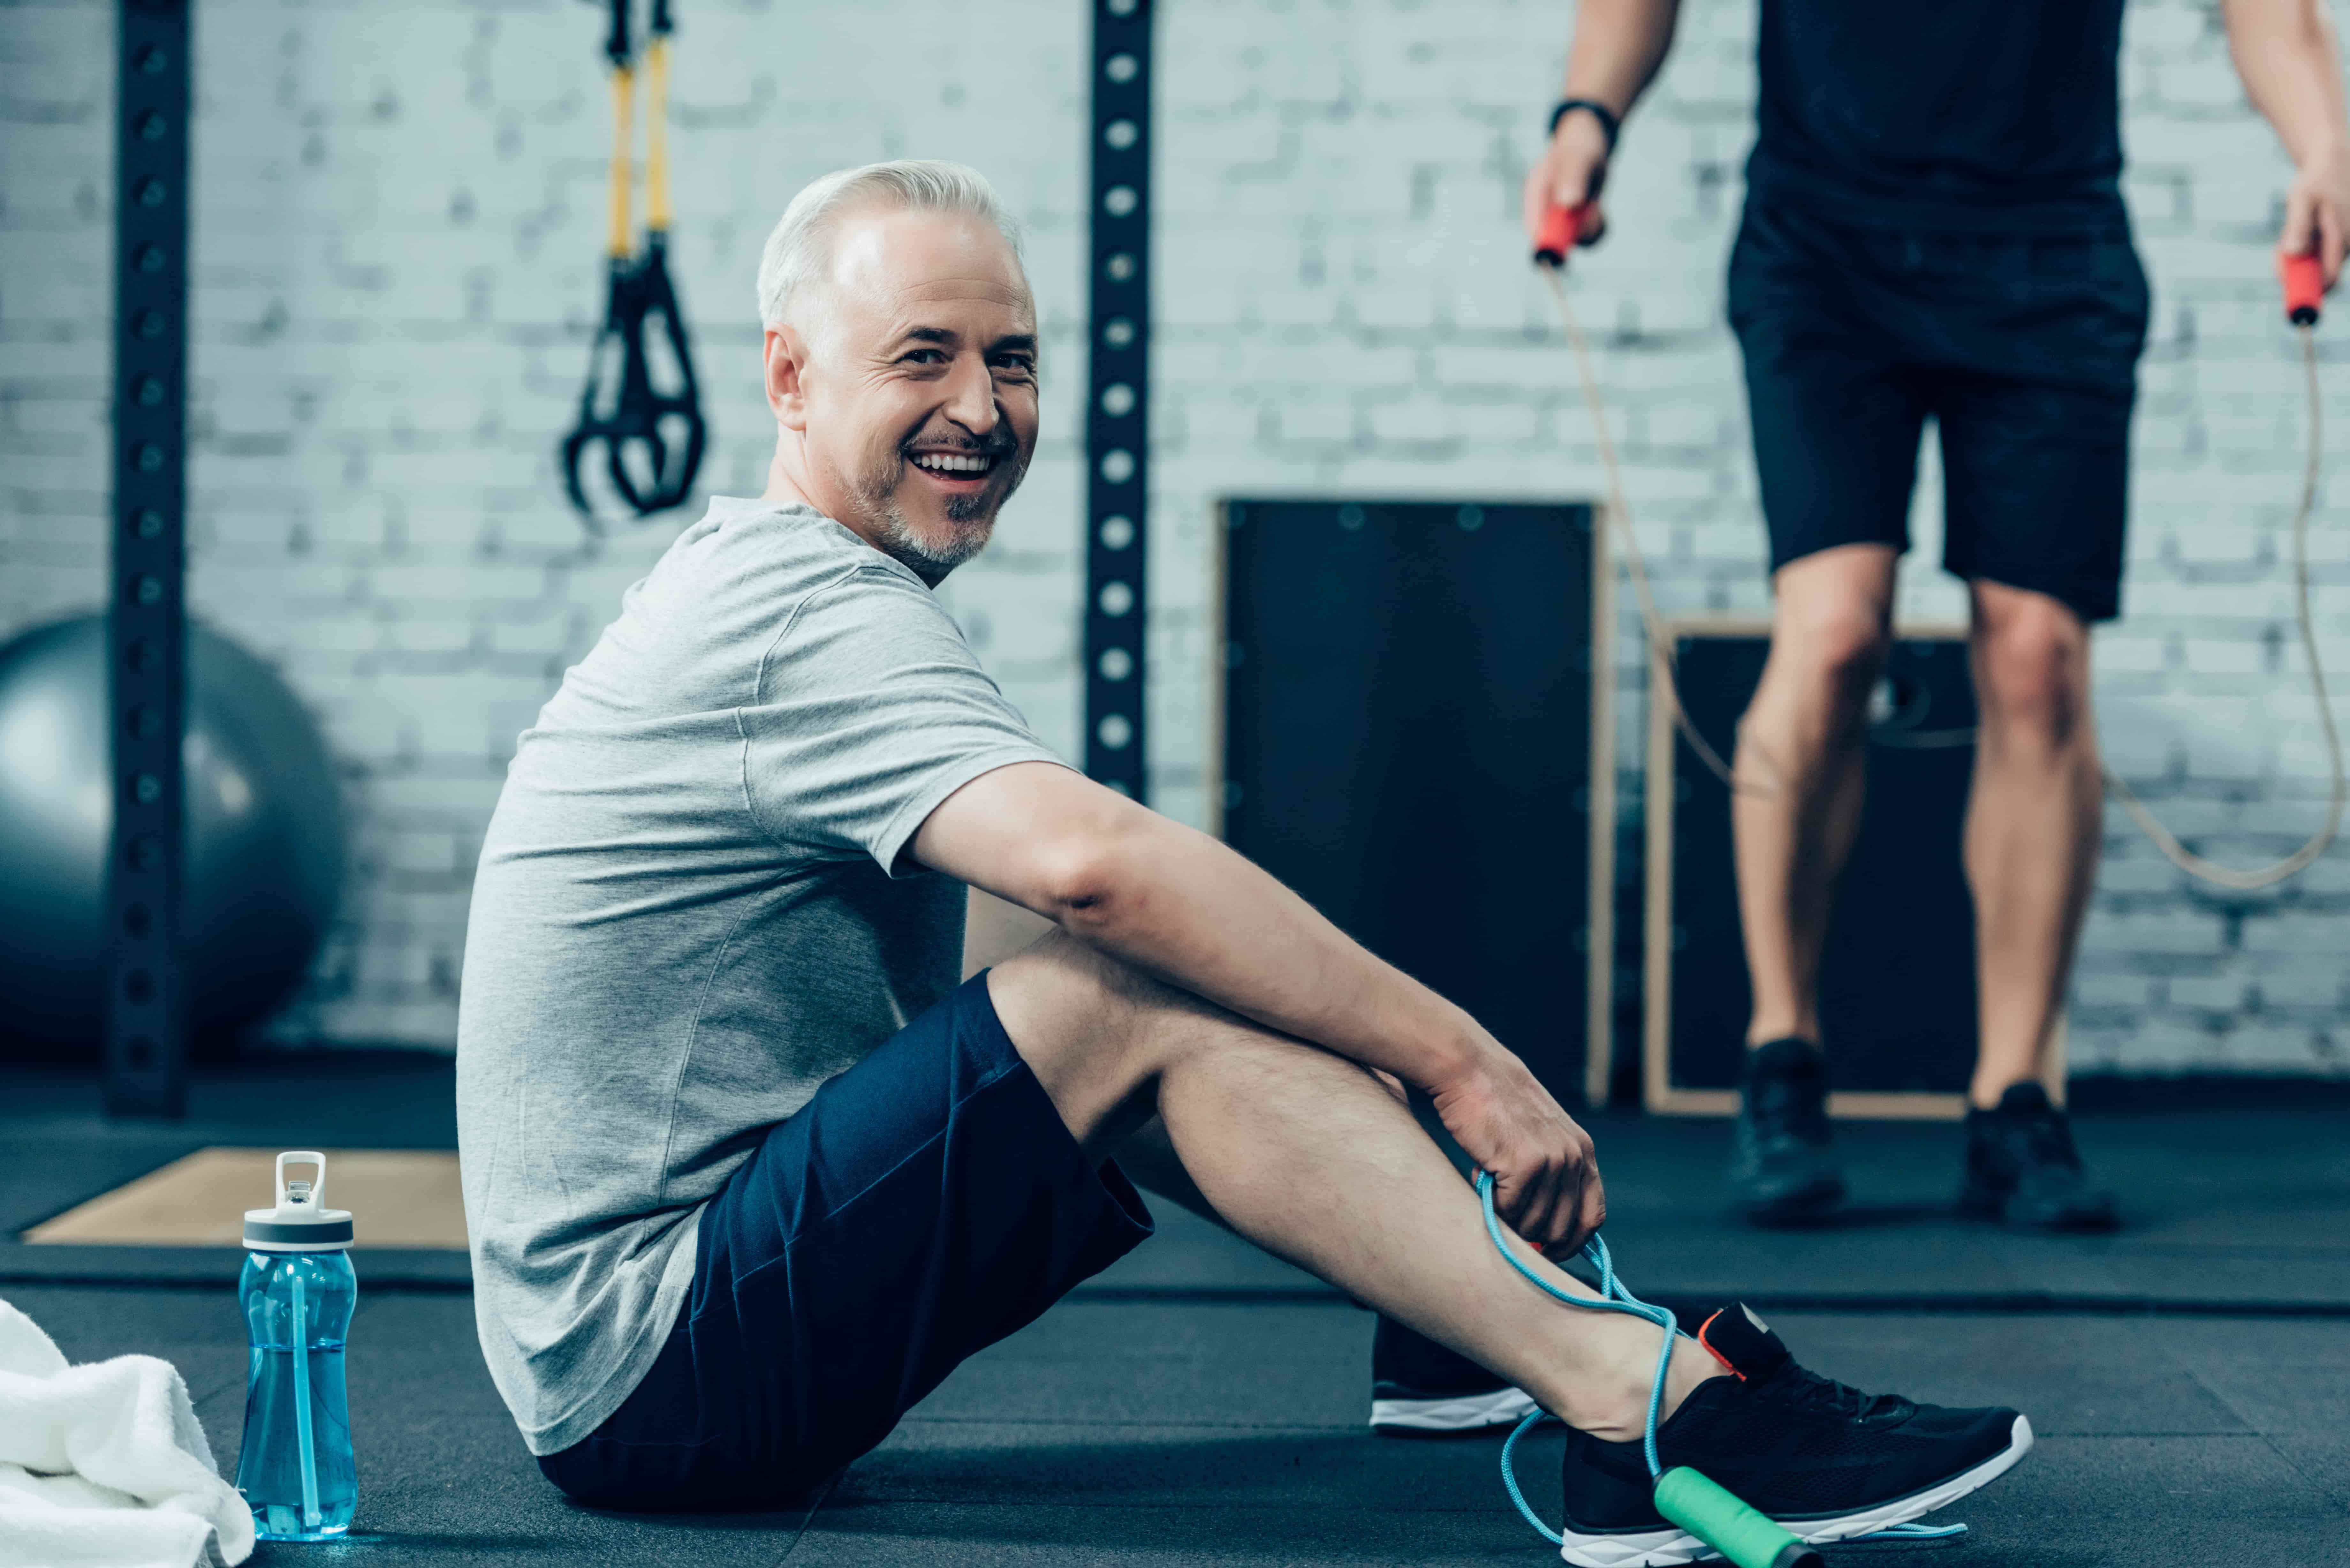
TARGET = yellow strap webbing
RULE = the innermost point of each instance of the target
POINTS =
(657, 135)
(623, 145)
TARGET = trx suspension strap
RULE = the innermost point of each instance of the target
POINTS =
(652, 438)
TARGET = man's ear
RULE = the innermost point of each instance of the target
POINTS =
(786, 355)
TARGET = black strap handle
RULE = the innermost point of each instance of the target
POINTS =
(653, 438)
(616, 42)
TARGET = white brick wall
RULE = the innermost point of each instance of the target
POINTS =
(398, 234)
(398, 225)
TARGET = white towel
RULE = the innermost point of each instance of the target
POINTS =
(104, 1465)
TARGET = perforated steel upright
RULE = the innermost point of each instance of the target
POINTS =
(145, 1004)
(1117, 417)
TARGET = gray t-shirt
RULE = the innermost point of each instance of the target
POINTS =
(693, 909)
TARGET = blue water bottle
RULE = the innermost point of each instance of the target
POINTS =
(297, 1290)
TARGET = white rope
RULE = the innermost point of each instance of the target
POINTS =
(2268, 876)
(1619, 517)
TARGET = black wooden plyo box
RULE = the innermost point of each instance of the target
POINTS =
(1897, 979)
(1412, 730)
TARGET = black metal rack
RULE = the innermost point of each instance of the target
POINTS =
(1118, 398)
(147, 642)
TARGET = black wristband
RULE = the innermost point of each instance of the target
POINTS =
(1608, 123)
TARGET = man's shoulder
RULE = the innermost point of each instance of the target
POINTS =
(761, 588)
(763, 539)
(748, 564)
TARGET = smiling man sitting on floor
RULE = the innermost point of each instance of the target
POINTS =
(747, 1174)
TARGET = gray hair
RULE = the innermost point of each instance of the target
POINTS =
(798, 249)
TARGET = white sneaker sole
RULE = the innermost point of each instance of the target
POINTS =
(1466, 1413)
(1670, 1547)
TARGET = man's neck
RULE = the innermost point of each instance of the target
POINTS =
(786, 486)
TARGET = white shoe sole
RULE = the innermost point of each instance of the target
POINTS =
(1672, 1546)
(1466, 1413)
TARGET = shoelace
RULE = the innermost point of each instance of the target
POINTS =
(2043, 1137)
(2050, 1138)
(1809, 1387)
(1615, 1297)
(1782, 1105)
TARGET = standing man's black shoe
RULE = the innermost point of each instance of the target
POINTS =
(2021, 1167)
(1419, 1389)
(1782, 1170)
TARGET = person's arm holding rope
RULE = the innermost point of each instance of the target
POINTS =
(1619, 45)
(1179, 905)
(2285, 52)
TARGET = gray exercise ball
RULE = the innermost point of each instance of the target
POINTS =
(263, 842)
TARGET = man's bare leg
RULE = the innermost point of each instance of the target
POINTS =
(1793, 818)
(1318, 1160)
(994, 929)
(1801, 776)
(2034, 825)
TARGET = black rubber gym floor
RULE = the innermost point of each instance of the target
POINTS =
(1201, 1404)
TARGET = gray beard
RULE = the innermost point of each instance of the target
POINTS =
(928, 558)
(975, 515)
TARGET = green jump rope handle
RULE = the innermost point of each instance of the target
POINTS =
(1717, 1518)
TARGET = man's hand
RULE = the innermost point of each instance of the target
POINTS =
(1545, 1178)
(2317, 210)
(2285, 51)
(1570, 174)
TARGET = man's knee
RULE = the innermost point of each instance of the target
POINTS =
(2032, 669)
(1059, 984)
(1832, 618)
(1846, 643)
(1832, 648)
(1095, 1029)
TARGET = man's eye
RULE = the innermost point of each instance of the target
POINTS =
(922, 357)
(1018, 365)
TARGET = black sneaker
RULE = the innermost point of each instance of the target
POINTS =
(1782, 1170)
(1421, 1389)
(1826, 1462)
(2021, 1167)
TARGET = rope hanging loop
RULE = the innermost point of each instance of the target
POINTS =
(641, 403)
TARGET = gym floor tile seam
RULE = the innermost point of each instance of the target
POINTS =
(2334, 1484)
(808, 1522)
(1109, 1423)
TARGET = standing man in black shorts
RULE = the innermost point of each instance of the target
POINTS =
(1933, 226)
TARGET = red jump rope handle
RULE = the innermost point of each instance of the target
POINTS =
(2305, 288)
(1557, 237)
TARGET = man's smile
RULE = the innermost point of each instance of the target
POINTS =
(958, 473)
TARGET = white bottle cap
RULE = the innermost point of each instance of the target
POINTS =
(301, 1222)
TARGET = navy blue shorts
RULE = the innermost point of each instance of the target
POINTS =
(2022, 348)
(926, 1203)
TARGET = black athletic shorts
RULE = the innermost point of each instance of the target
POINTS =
(2024, 347)
(925, 1203)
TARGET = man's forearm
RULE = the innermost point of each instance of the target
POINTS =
(1174, 901)
(2285, 51)
(1619, 45)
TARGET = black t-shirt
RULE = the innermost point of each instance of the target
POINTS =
(1943, 114)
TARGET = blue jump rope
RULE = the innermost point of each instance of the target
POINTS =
(1707, 1511)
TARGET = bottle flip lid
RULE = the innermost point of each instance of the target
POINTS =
(301, 1222)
